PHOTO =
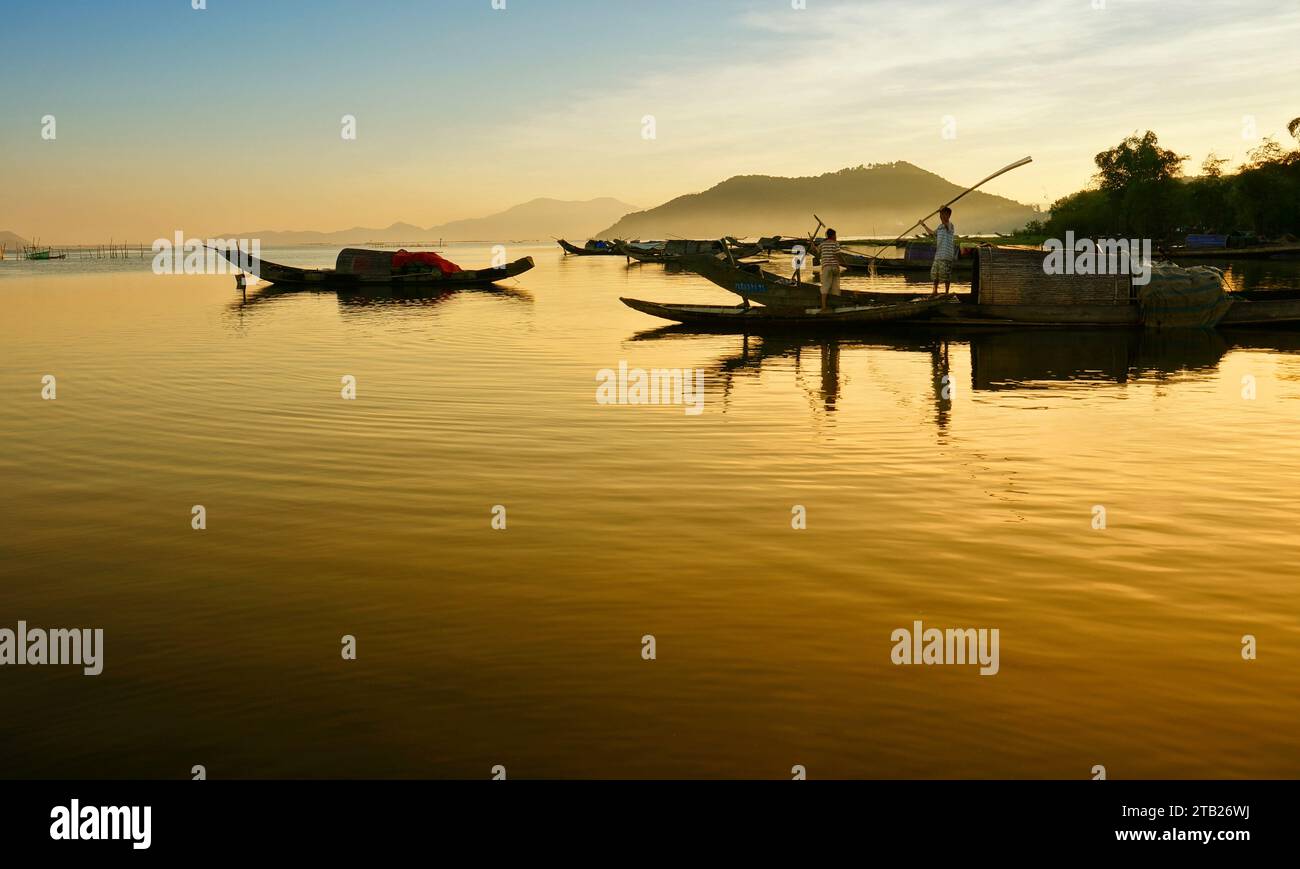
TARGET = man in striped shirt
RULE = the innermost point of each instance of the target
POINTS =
(945, 251)
(831, 265)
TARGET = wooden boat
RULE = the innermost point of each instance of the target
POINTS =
(952, 311)
(785, 243)
(45, 254)
(1010, 288)
(1263, 251)
(360, 267)
(593, 247)
(677, 249)
(626, 248)
(854, 262)
(754, 284)
(1263, 308)
(756, 318)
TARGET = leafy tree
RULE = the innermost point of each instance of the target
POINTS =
(1213, 165)
(1137, 160)
(1268, 151)
(1140, 191)
(1141, 181)
(1087, 213)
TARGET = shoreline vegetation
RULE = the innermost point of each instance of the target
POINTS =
(1140, 191)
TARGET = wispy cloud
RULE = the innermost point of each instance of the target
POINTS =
(798, 91)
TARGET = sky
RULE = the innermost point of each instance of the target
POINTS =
(230, 118)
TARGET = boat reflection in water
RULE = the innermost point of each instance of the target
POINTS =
(998, 359)
(373, 297)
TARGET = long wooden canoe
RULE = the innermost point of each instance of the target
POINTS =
(359, 267)
(983, 307)
(610, 248)
(1262, 251)
(1263, 308)
(753, 317)
(855, 262)
(754, 284)
(677, 250)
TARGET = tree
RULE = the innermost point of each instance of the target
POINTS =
(1213, 165)
(1294, 128)
(1269, 151)
(1207, 196)
(1140, 180)
(1087, 213)
(1137, 160)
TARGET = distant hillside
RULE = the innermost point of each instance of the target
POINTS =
(535, 220)
(877, 200)
(11, 240)
(539, 219)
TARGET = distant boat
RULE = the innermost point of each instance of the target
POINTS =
(916, 258)
(361, 267)
(1197, 249)
(675, 250)
(593, 247)
(34, 252)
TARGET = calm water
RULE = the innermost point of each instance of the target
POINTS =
(523, 647)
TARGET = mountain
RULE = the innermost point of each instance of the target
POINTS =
(535, 220)
(878, 200)
(10, 240)
(538, 219)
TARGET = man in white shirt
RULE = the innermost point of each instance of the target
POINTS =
(945, 251)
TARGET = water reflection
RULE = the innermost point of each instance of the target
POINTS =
(1012, 360)
(998, 359)
(373, 297)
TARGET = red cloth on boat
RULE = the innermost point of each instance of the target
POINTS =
(426, 257)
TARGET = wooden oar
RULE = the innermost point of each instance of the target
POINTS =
(1002, 171)
(812, 237)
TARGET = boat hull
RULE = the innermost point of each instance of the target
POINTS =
(958, 311)
(680, 251)
(862, 264)
(574, 250)
(1268, 251)
(293, 276)
(756, 318)
(775, 291)
(753, 284)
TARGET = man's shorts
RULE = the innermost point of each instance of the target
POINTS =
(830, 281)
(941, 270)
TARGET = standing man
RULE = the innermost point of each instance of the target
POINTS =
(831, 264)
(945, 251)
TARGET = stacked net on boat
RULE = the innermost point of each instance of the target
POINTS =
(1183, 297)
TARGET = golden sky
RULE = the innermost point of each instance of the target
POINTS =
(231, 118)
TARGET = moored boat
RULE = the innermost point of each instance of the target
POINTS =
(361, 267)
(593, 247)
(1261, 251)
(758, 318)
(677, 249)
(1011, 286)
(44, 254)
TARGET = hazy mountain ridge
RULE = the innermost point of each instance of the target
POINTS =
(877, 200)
(536, 219)
(866, 200)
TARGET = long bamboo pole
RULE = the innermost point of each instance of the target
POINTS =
(1002, 171)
